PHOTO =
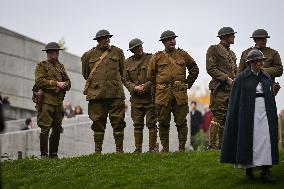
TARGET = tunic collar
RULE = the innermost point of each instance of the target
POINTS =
(227, 46)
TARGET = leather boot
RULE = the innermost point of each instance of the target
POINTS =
(182, 137)
(220, 136)
(164, 137)
(118, 137)
(98, 139)
(265, 175)
(152, 139)
(138, 135)
(213, 133)
(249, 174)
(43, 139)
(53, 144)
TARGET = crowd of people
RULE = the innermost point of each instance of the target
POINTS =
(69, 111)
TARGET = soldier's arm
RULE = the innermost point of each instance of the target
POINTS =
(148, 84)
(40, 80)
(121, 67)
(193, 70)
(276, 70)
(151, 71)
(85, 66)
(211, 66)
(242, 65)
(128, 82)
(66, 79)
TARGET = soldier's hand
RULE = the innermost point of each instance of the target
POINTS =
(57, 90)
(138, 89)
(61, 85)
(229, 81)
(143, 88)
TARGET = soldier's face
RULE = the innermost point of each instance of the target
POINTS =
(138, 50)
(230, 39)
(53, 55)
(170, 43)
(260, 42)
(104, 42)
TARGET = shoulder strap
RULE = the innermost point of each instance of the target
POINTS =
(88, 82)
(172, 60)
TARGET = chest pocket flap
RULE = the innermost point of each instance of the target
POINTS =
(114, 58)
(93, 60)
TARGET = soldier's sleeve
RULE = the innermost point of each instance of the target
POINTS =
(40, 80)
(193, 70)
(151, 71)
(242, 65)
(121, 67)
(211, 65)
(66, 79)
(128, 83)
(85, 66)
(276, 69)
(148, 84)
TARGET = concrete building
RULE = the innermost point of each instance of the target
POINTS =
(18, 57)
(77, 139)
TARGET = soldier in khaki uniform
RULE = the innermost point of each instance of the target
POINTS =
(221, 66)
(51, 84)
(167, 71)
(272, 65)
(141, 97)
(102, 68)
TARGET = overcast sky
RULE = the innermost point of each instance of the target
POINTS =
(195, 22)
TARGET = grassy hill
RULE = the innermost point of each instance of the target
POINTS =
(174, 170)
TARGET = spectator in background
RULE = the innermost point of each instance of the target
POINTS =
(207, 118)
(1, 116)
(78, 110)
(28, 123)
(68, 110)
(6, 100)
(1, 129)
(195, 120)
(281, 128)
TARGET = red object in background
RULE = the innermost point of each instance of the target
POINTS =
(208, 116)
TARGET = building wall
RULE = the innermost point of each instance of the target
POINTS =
(18, 58)
(77, 139)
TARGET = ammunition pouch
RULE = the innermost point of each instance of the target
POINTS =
(38, 96)
(176, 86)
(179, 86)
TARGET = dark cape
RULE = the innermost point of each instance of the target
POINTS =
(238, 133)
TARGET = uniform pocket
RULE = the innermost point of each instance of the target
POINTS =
(114, 62)
(92, 62)
(162, 65)
(94, 85)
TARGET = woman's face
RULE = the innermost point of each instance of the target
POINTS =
(256, 65)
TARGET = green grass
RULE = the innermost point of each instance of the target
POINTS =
(174, 170)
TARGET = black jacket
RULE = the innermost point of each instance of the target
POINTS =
(195, 120)
(238, 134)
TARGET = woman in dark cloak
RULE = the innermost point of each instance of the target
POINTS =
(251, 132)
